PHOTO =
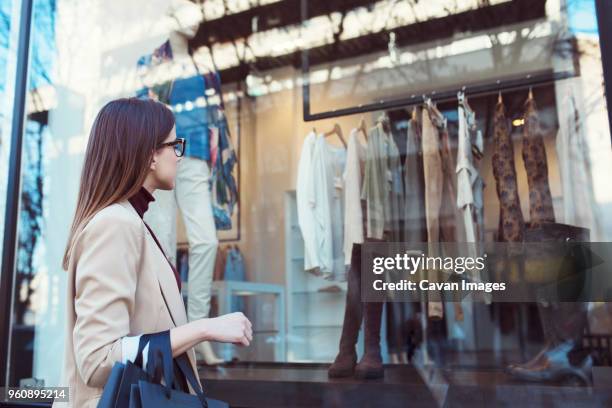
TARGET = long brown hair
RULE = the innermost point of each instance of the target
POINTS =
(121, 144)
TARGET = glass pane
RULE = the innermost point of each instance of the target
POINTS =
(36, 325)
(285, 245)
(7, 72)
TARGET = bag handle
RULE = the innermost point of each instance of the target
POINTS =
(156, 362)
(142, 343)
(160, 362)
(185, 367)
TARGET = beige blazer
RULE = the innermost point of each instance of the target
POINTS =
(117, 276)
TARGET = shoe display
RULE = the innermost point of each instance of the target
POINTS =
(370, 367)
(344, 364)
(555, 365)
(206, 353)
(531, 363)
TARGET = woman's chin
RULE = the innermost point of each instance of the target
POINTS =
(168, 186)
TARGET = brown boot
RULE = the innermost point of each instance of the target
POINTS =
(344, 364)
(370, 366)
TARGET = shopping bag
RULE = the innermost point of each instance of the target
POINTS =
(151, 393)
(116, 393)
(109, 395)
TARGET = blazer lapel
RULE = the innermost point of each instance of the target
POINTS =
(165, 275)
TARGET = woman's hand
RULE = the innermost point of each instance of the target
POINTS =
(230, 328)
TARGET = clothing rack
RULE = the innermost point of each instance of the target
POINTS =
(483, 89)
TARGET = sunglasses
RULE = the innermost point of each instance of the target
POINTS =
(178, 145)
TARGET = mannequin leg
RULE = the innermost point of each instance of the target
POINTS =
(194, 200)
(344, 364)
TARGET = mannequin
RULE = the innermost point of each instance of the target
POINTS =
(192, 193)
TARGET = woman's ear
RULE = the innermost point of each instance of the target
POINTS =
(153, 165)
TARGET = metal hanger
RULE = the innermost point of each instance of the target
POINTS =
(362, 128)
(461, 98)
(384, 121)
(337, 130)
(414, 114)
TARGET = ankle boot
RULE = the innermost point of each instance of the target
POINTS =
(344, 364)
(370, 366)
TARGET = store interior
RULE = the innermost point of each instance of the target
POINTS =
(339, 71)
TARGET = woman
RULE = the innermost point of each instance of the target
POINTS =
(120, 283)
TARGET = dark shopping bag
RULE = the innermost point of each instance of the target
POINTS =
(143, 388)
(152, 394)
(117, 390)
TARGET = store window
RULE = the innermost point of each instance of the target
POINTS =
(369, 122)
(6, 85)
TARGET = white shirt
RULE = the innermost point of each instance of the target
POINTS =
(305, 204)
(328, 164)
(353, 179)
(469, 181)
(129, 350)
(579, 205)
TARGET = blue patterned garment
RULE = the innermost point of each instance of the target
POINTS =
(191, 124)
(198, 125)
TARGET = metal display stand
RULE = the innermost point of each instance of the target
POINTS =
(532, 79)
(225, 290)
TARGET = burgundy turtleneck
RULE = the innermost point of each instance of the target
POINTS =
(140, 201)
